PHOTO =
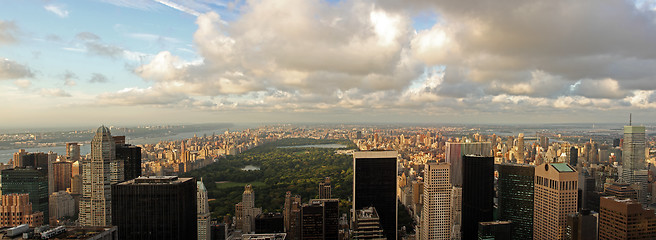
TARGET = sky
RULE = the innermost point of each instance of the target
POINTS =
(139, 62)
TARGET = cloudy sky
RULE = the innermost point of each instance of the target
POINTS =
(67, 63)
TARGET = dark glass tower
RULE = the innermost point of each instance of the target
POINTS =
(320, 219)
(573, 156)
(374, 185)
(131, 155)
(30, 181)
(477, 193)
(155, 208)
(515, 192)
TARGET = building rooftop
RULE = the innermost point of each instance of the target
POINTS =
(155, 180)
(562, 167)
(264, 236)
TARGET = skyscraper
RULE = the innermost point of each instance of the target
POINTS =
(573, 156)
(245, 211)
(625, 219)
(366, 224)
(98, 173)
(554, 181)
(312, 222)
(16, 209)
(30, 181)
(61, 175)
(436, 212)
(515, 194)
(155, 208)
(320, 219)
(72, 151)
(454, 153)
(203, 211)
(131, 158)
(292, 216)
(325, 189)
(374, 185)
(633, 152)
(477, 193)
(581, 226)
(520, 148)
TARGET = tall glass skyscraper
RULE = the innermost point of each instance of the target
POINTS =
(477, 193)
(374, 185)
(633, 152)
(515, 194)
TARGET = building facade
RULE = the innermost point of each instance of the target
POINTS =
(98, 173)
(155, 208)
(556, 197)
(29, 181)
(16, 209)
(374, 185)
(625, 219)
(203, 211)
(436, 212)
(515, 195)
(477, 193)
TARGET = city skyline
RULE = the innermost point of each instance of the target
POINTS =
(66, 63)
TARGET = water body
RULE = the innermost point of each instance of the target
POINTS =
(250, 168)
(332, 145)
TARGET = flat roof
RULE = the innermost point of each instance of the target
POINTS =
(562, 167)
(375, 154)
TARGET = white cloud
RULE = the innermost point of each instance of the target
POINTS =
(23, 83)
(57, 9)
(506, 58)
(8, 31)
(13, 70)
(54, 92)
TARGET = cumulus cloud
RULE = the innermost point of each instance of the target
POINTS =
(140, 96)
(69, 78)
(23, 83)
(94, 45)
(490, 56)
(57, 10)
(8, 30)
(54, 92)
(13, 70)
(98, 78)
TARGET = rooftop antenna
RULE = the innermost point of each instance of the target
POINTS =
(630, 120)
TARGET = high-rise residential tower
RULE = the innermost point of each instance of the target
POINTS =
(245, 211)
(325, 189)
(292, 216)
(436, 212)
(520, 148)
(61, 175)
(556, 197)
(98, 173)
(203, 211)
(374, 185)
(625, 219)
